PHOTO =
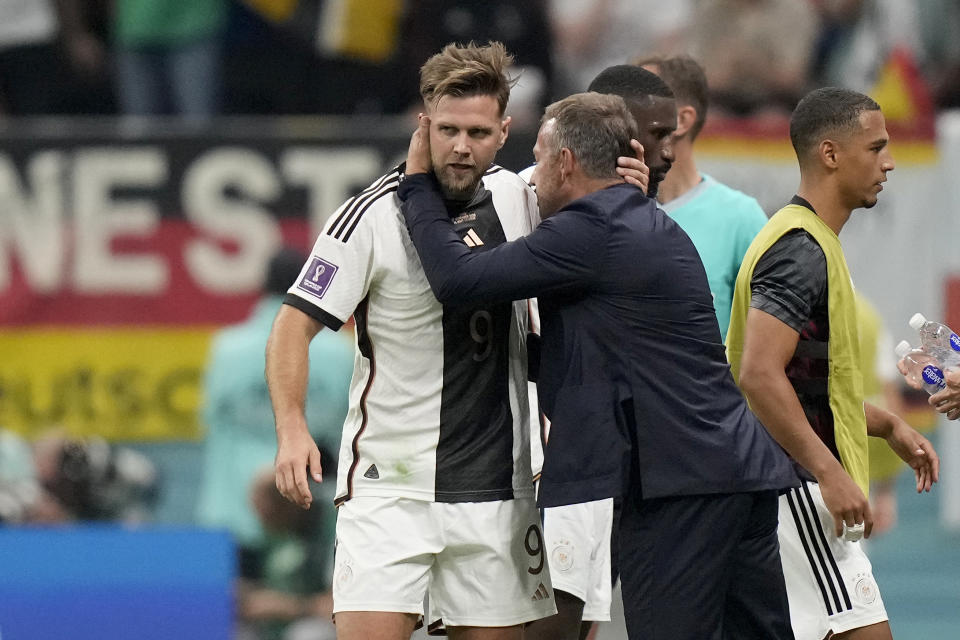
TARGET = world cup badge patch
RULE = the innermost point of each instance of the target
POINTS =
(318, 276)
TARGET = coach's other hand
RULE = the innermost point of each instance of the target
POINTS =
(634, 170)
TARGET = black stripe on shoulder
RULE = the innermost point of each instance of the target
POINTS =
(348, 222)
(494, 168)
(313, 311)
(387, 190)
(358, 201)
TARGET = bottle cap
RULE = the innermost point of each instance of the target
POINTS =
(917, 321)
(902, 349)
(853, 533)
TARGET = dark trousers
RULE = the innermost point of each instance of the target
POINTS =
(703, 567)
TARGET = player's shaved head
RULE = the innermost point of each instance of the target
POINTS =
(630, 82)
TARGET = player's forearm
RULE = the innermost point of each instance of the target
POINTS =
(880, 422)
(287, 369)
(774, 401)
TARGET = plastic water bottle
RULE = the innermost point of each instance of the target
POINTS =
(854, 533)
(937, 339)
(924, 370)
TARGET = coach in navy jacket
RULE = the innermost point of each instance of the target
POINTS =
(633, 376)
(633, 372)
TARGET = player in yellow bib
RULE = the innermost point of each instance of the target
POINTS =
(793, 348)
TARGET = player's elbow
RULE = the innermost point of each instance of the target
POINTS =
(450, 290)
(753, 379)
(448, 293)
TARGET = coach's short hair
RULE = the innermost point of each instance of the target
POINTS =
(596, 127)
(468, 70)
(687, 79)
(825, 112)
(630, 82)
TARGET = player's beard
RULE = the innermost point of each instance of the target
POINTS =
(653, 187)
(459, 185)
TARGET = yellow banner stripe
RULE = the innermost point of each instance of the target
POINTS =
(121, 384)
(906, 152)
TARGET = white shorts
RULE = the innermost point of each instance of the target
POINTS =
(578, 548)
(830, 583)
(481, 563)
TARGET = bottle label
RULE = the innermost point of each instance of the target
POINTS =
(955, 341)
(933, 375)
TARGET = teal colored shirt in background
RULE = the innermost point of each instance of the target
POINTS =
(722, 223)
(240, 435)
(148, 23)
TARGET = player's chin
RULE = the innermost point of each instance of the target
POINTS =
(459, 187)
(653, 187)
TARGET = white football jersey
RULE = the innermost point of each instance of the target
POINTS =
(539, 423)
(438, 399)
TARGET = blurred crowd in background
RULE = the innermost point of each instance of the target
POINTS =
(201, 58)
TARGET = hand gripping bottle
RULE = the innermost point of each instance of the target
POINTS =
(924, 370)
(937, 339)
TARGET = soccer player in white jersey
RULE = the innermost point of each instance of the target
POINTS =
(434, 481)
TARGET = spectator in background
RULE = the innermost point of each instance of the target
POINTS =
(19, 488)
(236, 410)
(91, 479)
(522, 27)
(591, 35)
(337, 54)
(756, 53)
(168, 56)
(939, 25)
(46, 46)
(355, 39)
(266, 60)
(59, 479)
(720, 221)
(289, 598)
(856, 38)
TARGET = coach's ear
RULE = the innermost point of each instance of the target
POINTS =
(568, 163)
(504, 131)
